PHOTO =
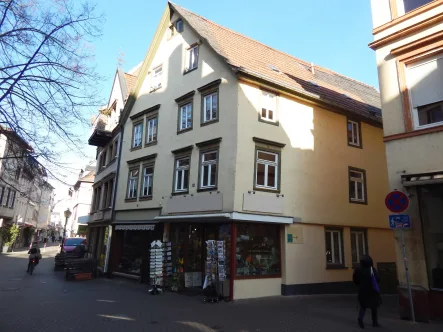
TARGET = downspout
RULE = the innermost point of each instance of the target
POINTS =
(108, 245)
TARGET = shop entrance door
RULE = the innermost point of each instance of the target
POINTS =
(194, 256)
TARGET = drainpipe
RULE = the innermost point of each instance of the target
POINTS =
(108, 245)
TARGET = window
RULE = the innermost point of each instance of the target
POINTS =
(132, 184)
(208, 171)
(18, 173)
(334, 247)
(210, 107)
(185, 117)
(358, 245)
(266, 170)
(156, 78)
(103, 159)
(137, 135)
(151, 130)
(269, 106)
(148, 172)
(179, 25)
(354, 133)
(258, 250)
(191, 58)
(114, 149)
(12, 199)
(181, 174)
(109, 193)
(2, 194)
(5, 201)
(357, 185)
(405, 6)
(425, 84)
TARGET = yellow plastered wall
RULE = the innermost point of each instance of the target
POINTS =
(252, 288)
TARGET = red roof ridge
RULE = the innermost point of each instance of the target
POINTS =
(301, 61)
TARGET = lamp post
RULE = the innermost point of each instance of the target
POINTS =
(67, 215)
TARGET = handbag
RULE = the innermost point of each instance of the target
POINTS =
(375, 285)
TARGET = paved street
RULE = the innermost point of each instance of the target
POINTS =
(46, 302)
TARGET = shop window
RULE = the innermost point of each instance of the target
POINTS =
(210, 107)
(151, 130)
(191, 58)
(354, 133)
(431, 210)
(148, 173)
(267, 170)
(425, 85)
(137, 135)
(334, 247)
(208, 169)
(132, 184)
(269, 106)
(181, 174)
(357, 186)
(359, 246)
(132, 252)
(258, 250)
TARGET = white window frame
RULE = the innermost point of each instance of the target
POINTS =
(267, 163)
(185, 108)
(355, 133)
(180, 171)
(355, 233)
(137, 135)
(355, 181)
(211, 97)
(268, 103)
(151, 131)
(156, 78)
(132, 183)
(414, 109)
(209, 164)
(191, 53)
(330, 233)
(147, 180)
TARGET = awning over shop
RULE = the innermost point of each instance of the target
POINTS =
(134, 227)
(234, 216)
(422, 179)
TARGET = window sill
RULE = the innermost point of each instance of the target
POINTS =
(358, 146)
(268, 190)
(155, 89)
(336, 267)
(136, 148)
(130, 200)
(358, 202)
(189, 70)
(183, 131)
(111, 162)
(276, 123)
(206, 189)
(180, 193)
(208, 122)
(150, 143)
(145, 198)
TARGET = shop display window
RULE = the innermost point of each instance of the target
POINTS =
(131, 258)
(258, 250)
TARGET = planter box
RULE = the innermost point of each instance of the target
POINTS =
(83, 276)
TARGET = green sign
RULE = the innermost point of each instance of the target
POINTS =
(290, 238)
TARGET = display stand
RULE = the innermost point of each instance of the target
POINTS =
(167, 264)
(215, 270)
(156, 267)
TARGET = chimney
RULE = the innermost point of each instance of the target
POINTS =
(312, 68)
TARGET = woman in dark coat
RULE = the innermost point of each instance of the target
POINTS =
(368, 293)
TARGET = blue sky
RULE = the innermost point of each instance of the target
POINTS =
(333, 34)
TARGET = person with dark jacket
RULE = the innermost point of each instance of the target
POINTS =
(366, 278)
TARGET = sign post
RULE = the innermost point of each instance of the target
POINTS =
(397, 202)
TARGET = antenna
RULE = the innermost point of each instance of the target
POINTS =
(121, 59)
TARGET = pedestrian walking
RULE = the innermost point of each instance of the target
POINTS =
(367, 280)
(45, 240)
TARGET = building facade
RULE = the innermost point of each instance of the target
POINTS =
(227, 139)
(408, 40)
(106, 135)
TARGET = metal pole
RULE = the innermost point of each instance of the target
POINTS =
(405, 260)
(64, 234)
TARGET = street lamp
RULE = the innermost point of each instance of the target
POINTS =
(67, 215)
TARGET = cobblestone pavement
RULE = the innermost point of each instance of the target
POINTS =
(46, 302)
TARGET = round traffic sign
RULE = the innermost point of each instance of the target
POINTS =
(397, 201)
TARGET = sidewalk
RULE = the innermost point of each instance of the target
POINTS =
(50, 247)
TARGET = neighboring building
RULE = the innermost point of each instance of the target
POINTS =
(408, 40)
(106, 136)
(25, 194)
(81, 201)
(228, 139)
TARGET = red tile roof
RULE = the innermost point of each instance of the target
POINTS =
(130, 81)
(251, 57)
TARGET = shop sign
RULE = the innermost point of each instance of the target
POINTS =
(397, 201)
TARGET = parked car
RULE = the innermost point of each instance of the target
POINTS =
(75, 246)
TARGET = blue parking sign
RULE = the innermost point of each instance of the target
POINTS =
(398, 221)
